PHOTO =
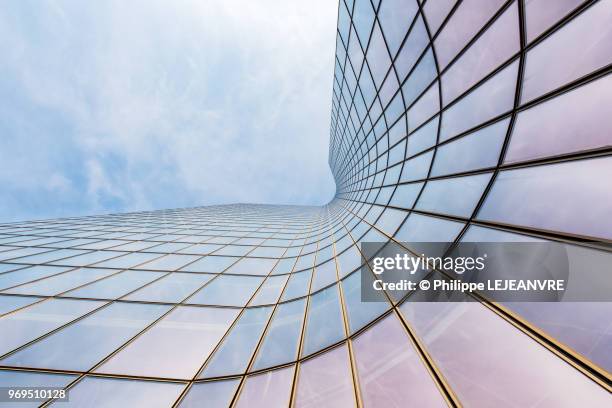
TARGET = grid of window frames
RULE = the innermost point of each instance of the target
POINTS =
(480, 120)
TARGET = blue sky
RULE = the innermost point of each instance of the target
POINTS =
(113, 106)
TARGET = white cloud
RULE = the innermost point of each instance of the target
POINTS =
(151, 104)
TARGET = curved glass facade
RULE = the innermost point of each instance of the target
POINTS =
(451, 121)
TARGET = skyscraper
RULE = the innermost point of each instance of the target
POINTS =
(473, 121)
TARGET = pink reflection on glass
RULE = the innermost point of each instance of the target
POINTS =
(390, 372)
(272, 389)
(489, 363)
(494, 47)
(325, 381)
(542, 14)
(467, 20)
(575, 121)
(532, 196)
(577, 49)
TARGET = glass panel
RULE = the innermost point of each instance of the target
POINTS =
(421, 228)
(169, 262)
(542, 14)
(489, 342)
(297, 285)
(21, 276)
(493, 47)
(493, 97)
(49, 256)
(479, 149)
(385, 360)
(467, 20)
(116, 286)
(227, 290)
(324, 326)
(252, 266)
(128, 261)
(83, 344)
(281, 341)
(395, 17)
(577, 49)
(88, 259)
(436, 12)
(172, 288)
(454, 196)
(10, 303)
(270, 290)
(411, 50)
(378, 57)
(405, 195)
(111, 392)
(272, 389)
(236, 350)
(531, 196)
(326, 381)
(360, 313)
(25, 379)
(61, 283)
(574, 121)
(324, 275)
(176, 346)
(214, 394)
(27, 324)
(213, 264)
(348, 261)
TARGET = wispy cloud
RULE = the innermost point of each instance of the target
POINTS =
(117, 106)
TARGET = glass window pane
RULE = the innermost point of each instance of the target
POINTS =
(227, 290)
(574, 121)
(453, 196)
(577, 49)
(297, 285)
(385, 359)
(31, 322)
(479, 149)
(112, 392)
(324, 326)
(531, 197)
(212, 264)
(395, 17)
(270, 290)
(89, 258)
(281, 341)
(10, 303)
(237, 348)
(211, 394)
(169, 262)
(176, 346)
(271, 389)
(465, 22)
(172, 288)
(61, 283)
(21, 276)
(493, 47)
(542, 14)
(493, 97)
(115, 286)
(360, 313)
(252, 266)
(26, 379)
(326, 381)
(128, 261)
(486, 341)
(83, 344)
